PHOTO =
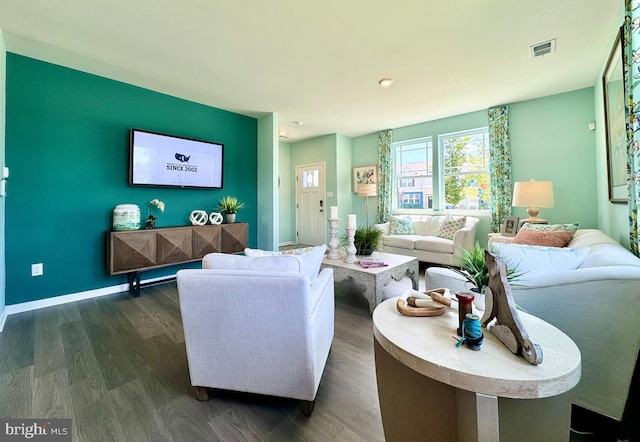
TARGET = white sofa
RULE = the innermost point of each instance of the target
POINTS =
(596, 304)
(424, 245)
(261, 325)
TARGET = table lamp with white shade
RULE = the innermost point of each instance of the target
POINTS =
(533, 194)
(367, 190)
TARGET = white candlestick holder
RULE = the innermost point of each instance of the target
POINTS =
(333, 242)
(351, 248)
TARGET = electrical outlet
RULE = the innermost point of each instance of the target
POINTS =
(37, 269)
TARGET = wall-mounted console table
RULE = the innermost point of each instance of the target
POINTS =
(133, 251)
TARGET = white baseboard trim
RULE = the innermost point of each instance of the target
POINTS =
(286, 243)
(3, 319)
(72, 297)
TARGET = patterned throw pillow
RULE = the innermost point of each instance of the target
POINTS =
(401, 225)
(449, 226)
(572, 227)
(534, 237)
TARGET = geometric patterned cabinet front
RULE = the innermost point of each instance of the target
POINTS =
(137, 250)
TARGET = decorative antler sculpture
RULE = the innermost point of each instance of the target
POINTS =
(500, 305)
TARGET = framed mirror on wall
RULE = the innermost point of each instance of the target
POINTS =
(614, 117)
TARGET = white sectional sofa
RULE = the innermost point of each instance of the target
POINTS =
(424, 244)
(596, 304)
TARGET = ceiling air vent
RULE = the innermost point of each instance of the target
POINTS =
(541, 49)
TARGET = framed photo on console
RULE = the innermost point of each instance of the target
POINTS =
(509, 226)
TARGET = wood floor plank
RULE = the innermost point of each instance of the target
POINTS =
(16, 393)
(187, 419)
(111, 351)
(48, 347)
(138, 418)
(162, 317)
(52, 397)
(16, 342)
(94, 412)
(141, 320)
(79, 356)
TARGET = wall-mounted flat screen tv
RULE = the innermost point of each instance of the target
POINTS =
(160, 160)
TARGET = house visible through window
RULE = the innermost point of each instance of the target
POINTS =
(466, 169)
(462, 175)
(413, 185)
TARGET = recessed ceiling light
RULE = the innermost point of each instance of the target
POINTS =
(385, 82)
(283, 134)
(299, 123)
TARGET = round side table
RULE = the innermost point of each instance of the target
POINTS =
(429, 389)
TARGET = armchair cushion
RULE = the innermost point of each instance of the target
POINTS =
(310, 259)
(223, 261)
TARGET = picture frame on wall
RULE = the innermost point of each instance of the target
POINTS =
(510, 225)
(364, 175)
(614, 118)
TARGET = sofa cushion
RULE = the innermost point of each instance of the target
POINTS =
(605, 255)
(449, 226)
(537, 259)
(535, 237)
(401, 225)
(401, 241)
(310, 259)
(434, 244)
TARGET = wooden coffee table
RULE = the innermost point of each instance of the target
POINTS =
(374, 279)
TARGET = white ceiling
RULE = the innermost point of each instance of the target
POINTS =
(320, 61)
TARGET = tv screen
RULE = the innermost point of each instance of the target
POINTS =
(169, 161)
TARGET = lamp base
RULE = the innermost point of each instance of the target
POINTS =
(533, 217)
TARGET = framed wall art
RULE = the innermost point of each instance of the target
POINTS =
(364, 175)
(614, 117)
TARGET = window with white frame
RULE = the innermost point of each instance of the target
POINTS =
(413, 173)
(466, 169)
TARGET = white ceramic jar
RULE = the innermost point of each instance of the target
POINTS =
(126, 217)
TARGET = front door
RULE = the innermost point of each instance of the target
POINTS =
(311, 216)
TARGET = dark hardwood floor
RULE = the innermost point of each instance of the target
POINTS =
(117, 367)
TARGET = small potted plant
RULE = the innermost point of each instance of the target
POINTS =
(229, 205)
(473, 267)
(366, 240)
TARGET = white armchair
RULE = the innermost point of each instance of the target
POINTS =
(257, 325)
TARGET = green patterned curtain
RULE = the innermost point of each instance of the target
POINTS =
(631, 67)
(499, 165)
(385, 171)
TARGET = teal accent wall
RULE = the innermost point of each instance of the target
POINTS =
(67, 147)
(551, 141)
